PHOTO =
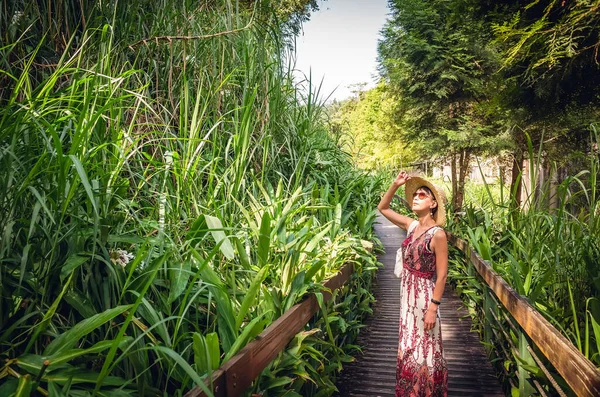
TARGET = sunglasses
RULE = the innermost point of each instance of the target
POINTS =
(422, 195)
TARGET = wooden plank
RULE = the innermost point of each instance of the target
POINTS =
(581, 375)
(238, 373)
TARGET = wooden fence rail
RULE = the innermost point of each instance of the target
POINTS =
(580, 373)
(237, 374)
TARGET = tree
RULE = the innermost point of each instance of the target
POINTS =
(551, 39)
(551, 71)
(434, 55)
(290, 14)
(371, 136)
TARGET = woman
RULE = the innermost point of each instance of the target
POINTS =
(421, 368)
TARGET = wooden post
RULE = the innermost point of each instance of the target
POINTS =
(488, 305)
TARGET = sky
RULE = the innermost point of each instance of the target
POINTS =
(339, 44)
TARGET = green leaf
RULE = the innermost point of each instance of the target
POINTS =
(207, 354)
(125, 239)
(252, 329)
(197, 230)
(317, 239)
(536, 371)
(184, 365)
(24, 257)
(291, 393)
(42, 202)
(575, 319)
(251, 293)
(16, 324)
(69, 355)
(239, 244)
(80, 375)
(115, 392)
(314, 269)
(152, 270)
(24, 387)
(596, 328)
(214, 351)
(323, 307)
(72, 263)
(527, 283)
(84, 181)
(33, 363)
(178, 277)
(153, 316)
(84, 327)
(514, 269)
(49, 314)
(298, 288)
(264, 239)
(55, 391)
(80, 302)
(277, 382)
(225, 316)
(9, 387)
(216, 229)
(337, 220)
(200, 353)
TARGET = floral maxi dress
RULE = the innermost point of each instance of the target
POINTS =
(421, 369)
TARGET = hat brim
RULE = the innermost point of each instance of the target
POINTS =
(415, 183)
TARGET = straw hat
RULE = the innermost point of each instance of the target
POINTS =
(415, 183)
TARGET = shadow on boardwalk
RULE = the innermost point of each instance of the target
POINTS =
(374, 371)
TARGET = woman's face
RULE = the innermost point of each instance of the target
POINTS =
(422, 200)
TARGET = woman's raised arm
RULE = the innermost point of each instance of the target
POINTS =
(384, 205)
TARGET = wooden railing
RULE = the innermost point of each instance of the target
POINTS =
(237, 374)
(580, 374)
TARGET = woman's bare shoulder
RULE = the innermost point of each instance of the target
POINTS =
(439, 235)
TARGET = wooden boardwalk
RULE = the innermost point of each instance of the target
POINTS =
(374, 371)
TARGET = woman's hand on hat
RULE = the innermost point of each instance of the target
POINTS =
(402, 178)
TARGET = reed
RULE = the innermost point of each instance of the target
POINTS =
(165, 200)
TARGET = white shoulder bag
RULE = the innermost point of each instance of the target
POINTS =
(399, 264)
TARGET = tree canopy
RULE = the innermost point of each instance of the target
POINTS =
(434, 55)
(366, 123)
(478, 76)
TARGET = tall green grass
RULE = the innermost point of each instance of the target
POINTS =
(163, 202)
(548, 253)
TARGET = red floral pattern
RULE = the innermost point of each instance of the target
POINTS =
(421, 368)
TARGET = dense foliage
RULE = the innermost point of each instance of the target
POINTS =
(166, 194)
(550, 257)
(517, 79)
(475, 77)
(366, 126)
(434, 54)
